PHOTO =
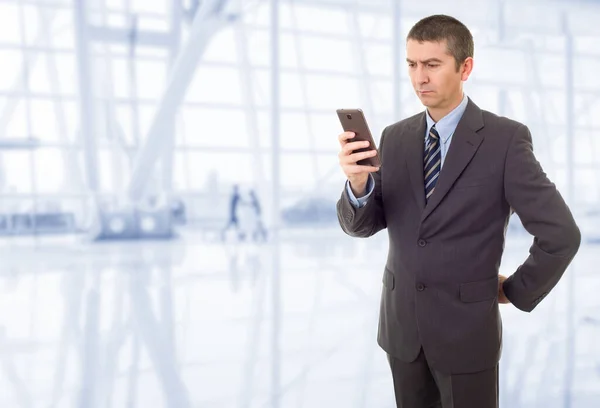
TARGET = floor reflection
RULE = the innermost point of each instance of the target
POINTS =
(189, 323)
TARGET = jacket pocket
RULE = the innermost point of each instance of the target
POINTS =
(479, 291)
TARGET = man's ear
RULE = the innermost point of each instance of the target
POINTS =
(466, 68)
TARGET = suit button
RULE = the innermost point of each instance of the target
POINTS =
(420, 287)
(422, 242)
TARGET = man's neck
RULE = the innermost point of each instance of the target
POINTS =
(438, 114)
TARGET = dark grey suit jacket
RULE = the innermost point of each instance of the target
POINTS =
(440, 284)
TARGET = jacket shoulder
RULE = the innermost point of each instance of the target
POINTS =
(500, 124)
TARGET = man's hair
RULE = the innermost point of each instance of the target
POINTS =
(440, 27)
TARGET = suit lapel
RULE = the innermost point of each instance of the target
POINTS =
(414, 159)
(463, 146)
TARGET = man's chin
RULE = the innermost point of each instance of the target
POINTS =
(426, 99)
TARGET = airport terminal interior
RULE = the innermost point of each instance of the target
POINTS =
(169, 176)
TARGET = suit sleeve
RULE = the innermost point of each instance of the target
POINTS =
(546, 216)
(369, 219)
(361, 201)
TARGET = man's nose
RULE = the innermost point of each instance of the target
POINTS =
(421, 76)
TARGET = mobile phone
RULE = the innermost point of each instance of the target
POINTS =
(353, 120)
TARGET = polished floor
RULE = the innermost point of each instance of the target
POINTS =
(193, 322)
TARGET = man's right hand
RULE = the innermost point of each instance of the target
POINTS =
(356, 174)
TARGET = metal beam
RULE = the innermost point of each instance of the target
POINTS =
(302, 76)
(275, 208)
(166, 173)
(110, 129)
(87, 122)
(122, 35)
(207, 21)
(29, 143)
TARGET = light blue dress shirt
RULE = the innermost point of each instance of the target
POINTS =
(445, 127)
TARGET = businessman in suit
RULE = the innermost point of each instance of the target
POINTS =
(449, 181)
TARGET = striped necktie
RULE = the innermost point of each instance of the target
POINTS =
(432, 162)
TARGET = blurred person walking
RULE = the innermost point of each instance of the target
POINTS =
(234, 215)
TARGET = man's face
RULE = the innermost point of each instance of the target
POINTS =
(433, 73)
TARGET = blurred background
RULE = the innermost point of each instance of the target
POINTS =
(168, 180)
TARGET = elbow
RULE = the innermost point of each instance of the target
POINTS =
(575, 239)
(563, 243)
(362, 233)
(355, 231)
(571, 240)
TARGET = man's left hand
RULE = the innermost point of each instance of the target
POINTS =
(501, 296)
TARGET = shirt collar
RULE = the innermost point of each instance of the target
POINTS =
(446, 125)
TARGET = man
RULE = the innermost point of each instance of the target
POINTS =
(449, 181)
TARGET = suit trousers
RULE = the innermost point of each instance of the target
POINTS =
(417, 385)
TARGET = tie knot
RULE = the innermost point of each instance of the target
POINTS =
(434, 133)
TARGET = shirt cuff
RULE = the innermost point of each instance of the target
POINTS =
(361, 201)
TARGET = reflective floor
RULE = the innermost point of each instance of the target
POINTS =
(198, 323)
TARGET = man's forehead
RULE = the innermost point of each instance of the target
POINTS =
(433, 49)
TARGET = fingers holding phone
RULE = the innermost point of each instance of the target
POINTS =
(358, 155)
(357, 174)
(349, 156)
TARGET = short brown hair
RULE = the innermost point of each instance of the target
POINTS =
(440, 27)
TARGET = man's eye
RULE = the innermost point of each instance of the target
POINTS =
(433, 65)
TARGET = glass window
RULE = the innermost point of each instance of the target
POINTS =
(585, 75)
(230, 167)
(374, 26)
(17, 122)
(47, 120)
(119, 77)
(10, 23)
(113, 171)
(50, 171)
(314, 18)
(215, 127)
(331, 91)
(10, 68)
(293, 89)
(16, 171)
(378, 59)
(150, 6)
(62, 29)
(586, 185)
(327, 54)
(151, 79)
(52, 73)
(216, 84)
(222, 46)
(296, 134)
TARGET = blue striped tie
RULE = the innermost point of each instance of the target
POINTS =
(432, 162)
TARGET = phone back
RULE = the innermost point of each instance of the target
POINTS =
(353, 120)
